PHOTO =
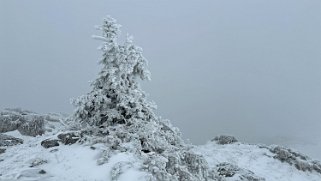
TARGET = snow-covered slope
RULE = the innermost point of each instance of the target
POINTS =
(69, 162)
(31, 161)
(258, 159)
(25, 157)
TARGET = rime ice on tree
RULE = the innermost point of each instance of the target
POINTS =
(116, 97)
(117, 113)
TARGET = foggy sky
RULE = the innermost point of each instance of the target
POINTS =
(249, 68)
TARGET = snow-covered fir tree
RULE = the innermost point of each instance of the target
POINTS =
(116, 112)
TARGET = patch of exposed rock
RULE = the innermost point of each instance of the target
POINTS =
(224, 139)
(48, 143)
(6, 140)
(2, 150)
(69, 138)
(228, 170)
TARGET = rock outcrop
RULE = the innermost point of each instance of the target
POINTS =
(228, 170)
(28, 123)
(6, 140)
(224, 139)
(48, 143)
(300, 161)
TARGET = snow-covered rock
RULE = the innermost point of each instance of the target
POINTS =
(224, 139)
(69, 137)
(27, 123)
(228, 170)
(7, 140)
(49, 143)
(300, 161)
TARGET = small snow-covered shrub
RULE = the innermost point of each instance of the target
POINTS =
(120, 168)
(9, 123)
(227, 169)
(32, 127)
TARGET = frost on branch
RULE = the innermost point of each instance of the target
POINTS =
(117, 113)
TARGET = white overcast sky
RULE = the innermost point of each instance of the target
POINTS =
(249, 68)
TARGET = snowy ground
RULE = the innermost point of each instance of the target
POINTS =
(256, 159)
(78, 162)
(66, 162)
(32, 162)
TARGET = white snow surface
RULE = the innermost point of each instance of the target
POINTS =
(79, 162)
(65, 162)
(254, 158)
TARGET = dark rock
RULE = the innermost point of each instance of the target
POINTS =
(42, 172)
(69, 138)
(2, 150)
(224, 139)
(32, 127)
(48, 143)
(145, 151)
(6, 140)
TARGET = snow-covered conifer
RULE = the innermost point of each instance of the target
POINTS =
(117, 113)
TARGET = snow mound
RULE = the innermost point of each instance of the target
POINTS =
(31, 161)
(238, 161)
